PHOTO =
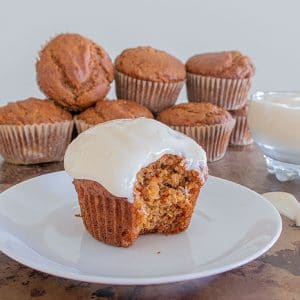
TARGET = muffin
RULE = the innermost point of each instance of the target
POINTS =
(110, 110)
(148, 184)
(74, 71)
(241, 134)
(34, 131)
(221, 78)
(149, 76)
(209, 125)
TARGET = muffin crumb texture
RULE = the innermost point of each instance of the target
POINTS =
(74, 71)
(226, 64)
(32, 111)
(147, 63)
(194, 114)
(165, 195)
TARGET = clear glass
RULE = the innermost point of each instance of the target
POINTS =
(274, 121)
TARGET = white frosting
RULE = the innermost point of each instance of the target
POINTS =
(112, 153)
(286, 204)
(273, 119)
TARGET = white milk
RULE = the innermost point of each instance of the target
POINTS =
(274, 121)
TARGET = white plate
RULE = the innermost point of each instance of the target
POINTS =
(231, 226)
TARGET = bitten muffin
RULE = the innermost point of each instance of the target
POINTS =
(34, 131)
(74, 71)
(149, 76)
(222, 78)
(241, 134)
(149, 184)
(209, 125)
(110, 110)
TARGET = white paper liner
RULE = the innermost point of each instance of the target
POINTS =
(38, 143)
(241, 135)
(213, 138)
(230, 94)
(81, 125)
(156, 96)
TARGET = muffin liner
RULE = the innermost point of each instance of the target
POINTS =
(81, 125)
(230, 94)
(213, 138)
(37, 143)
(106, 217)
(241, 135)
(156, 96)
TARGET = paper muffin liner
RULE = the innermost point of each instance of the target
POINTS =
(241, 135)
(156, 96)
(230, 94)
(213, 138)
(107, 218)
(81, 125)
(37, 143)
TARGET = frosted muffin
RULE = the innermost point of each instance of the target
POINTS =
(74, 71)
(148, 184)
(209, 125)
(241, 134)
(221, 78)
(110, 110)
(34, 131)
(149, 76)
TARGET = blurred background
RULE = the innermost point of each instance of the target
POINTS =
(267, 31)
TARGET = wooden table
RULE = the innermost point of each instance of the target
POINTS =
(276, 275)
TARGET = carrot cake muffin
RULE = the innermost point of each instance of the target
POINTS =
(34, 131)
(241, 134)
(222, 78)
(74, 71)
(149, 76)
(148, 184)
(110, 110)
(207, 124)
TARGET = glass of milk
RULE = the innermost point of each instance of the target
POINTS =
(274, 121)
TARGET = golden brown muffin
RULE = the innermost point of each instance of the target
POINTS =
(32, 111)
(114, 109)
(209, 125)
(226, 64)
(165, 196)
(194, 114)
(74, 71)
(147, 63)
(34, 131)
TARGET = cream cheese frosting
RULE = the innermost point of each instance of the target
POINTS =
(112, 153)
(286, 204)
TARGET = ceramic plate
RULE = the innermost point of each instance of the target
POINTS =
(231, 226)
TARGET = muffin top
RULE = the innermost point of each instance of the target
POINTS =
(74, 71)
(147, 63)
(194, 114)
(114, 109)
(242, 112)
(32, 111)
(226, 64)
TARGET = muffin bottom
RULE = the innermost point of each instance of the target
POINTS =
(37, 143)
(241, 135)
(231, 94)
(165, 194)
(213, 138)
(156, 96)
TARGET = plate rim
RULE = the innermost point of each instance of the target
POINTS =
(145, 280)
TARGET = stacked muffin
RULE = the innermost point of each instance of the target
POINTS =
(224, 79)
(75, 75)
